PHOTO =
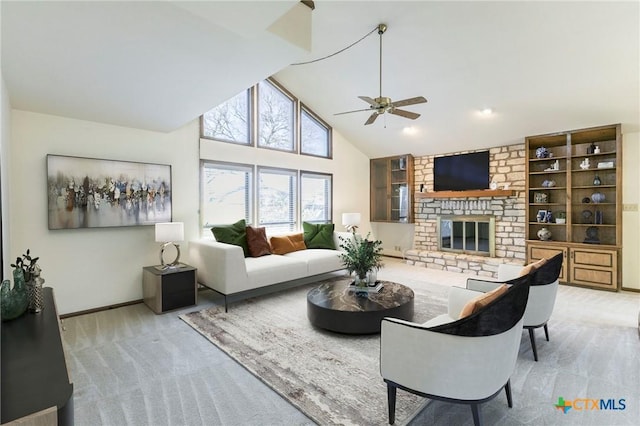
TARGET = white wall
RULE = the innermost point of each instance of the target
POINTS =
(5, 140)
(91, 268)
(631, 219)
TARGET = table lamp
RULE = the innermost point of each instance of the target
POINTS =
(351, 221)
(168, 233)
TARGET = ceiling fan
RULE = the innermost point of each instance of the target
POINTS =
(383, 104)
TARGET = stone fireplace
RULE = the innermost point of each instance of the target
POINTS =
(468, 234)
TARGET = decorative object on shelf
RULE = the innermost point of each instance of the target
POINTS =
(553, 167)
(422, 187)
(361, 256)
(585, 164)
(599, 217)
(548, 183)
(540, 197)
(592, 235)
(548, 218)
(493, 185)
(506, 186)
(586, 216)
(586, 200)
(168, 233)
(561, 218)
(13, 301)
(541, 216)
(591, 148)
(597, 181)
(597, 197)
(606, 165)
(544, 234)
(596, 150)
(33, 282)
(542, 152)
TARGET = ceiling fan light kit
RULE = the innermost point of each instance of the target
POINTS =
(383, 104)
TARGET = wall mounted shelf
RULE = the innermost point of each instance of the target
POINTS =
(464, 194)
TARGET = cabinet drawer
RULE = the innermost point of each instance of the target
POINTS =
(598, 268)
(180, 299)
(179, 282)
(537, 252)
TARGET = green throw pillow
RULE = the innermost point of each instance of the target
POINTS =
(318, 236)
(235, 234)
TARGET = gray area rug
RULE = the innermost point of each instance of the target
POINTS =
(332, 378)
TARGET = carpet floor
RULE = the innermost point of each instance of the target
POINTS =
(332, 378)
(335, 379)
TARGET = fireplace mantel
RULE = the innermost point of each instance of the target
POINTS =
(464, 194)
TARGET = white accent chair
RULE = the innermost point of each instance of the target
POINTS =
(542, 295)
(468, 361)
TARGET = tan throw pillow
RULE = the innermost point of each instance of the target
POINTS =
(532, 267)
(257, 242)
(479, 302)
(287, 243)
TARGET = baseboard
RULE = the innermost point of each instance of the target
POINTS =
(103, 308)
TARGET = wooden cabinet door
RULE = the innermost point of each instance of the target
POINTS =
(594, 267)
(538, 251)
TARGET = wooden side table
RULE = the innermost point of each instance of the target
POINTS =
(167, 289)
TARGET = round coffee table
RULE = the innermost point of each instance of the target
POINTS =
(334, 307)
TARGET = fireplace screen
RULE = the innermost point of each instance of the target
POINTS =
(467, 234)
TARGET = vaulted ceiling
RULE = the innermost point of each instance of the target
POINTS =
(541, 66)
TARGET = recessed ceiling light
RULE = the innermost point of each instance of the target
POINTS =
(486, 111)
(409, 130)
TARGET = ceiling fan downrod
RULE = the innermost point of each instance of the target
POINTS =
(381, 30)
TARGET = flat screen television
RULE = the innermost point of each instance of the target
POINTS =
(461, 172)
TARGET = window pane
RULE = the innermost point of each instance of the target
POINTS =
(275, 118)
(314, 136)
(229, 121)
(277, 200)
(227, 191)
(315, 197)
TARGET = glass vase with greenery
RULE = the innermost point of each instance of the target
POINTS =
(360, 256)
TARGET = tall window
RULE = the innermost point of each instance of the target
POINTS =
(226, 193)
(315, 197)
(277, 199)
(280, 119)
(230, 121)
(315, 135)
(275, 118)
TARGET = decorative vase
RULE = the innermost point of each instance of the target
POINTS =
(35, 296)
(542, 152)
(14, 302)
(596, 180)
(597, 197)
(361, 286)
(372, 278)
(544, 234)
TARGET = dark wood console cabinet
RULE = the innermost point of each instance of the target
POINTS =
(36, 389)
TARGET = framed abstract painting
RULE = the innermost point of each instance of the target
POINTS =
(95, 193)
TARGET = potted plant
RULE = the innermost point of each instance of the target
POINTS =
(360, 256)
(561, 217)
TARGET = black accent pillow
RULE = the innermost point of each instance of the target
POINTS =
(235, 234)
(318, 236)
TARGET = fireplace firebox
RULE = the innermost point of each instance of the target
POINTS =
(469, 234)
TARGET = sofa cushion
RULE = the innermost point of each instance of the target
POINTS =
(318, 236)
(267, 270)
(235, 234)
(287, 243)
(257, 242)
(319, 261)
(479, 302)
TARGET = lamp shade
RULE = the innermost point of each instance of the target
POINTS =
(350, 219)
(169, 232)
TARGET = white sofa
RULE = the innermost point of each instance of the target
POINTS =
(223, 267)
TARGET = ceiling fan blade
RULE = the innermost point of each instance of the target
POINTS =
(349, 112)
(371, 118)
(410, 101)
(403, 113)
(369, 100)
